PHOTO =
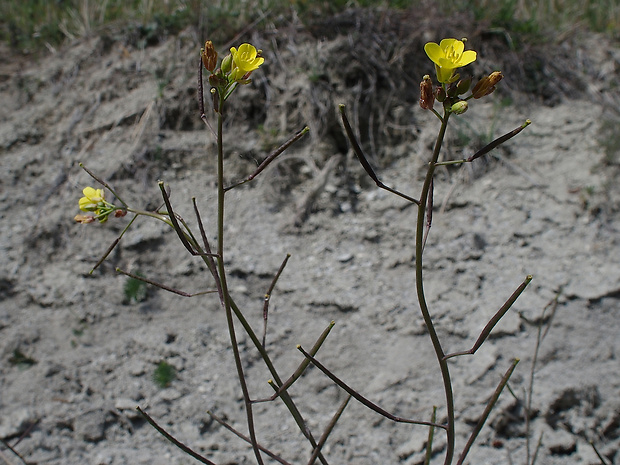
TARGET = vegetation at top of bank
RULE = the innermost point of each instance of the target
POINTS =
(31, 26)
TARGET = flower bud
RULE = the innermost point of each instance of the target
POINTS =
(459, 107)
(427, 98)
(486, 85)
(227, 63)
(452, 90)
(495, 77)
(209, 56)
(217, 79)
(463, 86)
(84, 219)
(441, 94)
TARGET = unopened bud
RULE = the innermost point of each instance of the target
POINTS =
(495, 77)
(84, 219)
(427, 97)
(486, 85)
(226, 63)
(441, 94)
(463, 86)
(459, 107)
(452, 90)
(120, 213)
(217, 79)
(209, 56)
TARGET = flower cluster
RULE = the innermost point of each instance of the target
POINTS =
(94, 201)
(448, 56)
(235, 68)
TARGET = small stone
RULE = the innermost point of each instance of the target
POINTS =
(345, 257)
(16, 422)
(125, 404)
(169, 394)
(91, 426)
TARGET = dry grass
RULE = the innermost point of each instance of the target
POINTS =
(34, 25)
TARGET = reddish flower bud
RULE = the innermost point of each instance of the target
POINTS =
(209, 56)
(427, 97)
(441, 94)
(486, 85)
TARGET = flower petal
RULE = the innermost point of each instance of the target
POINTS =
(434, 51)
(248, 51)
(89, 192)
(446, 43)
(469, 56)
(452, 47)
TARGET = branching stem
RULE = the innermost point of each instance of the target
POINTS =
(419, 247)
(224, 284)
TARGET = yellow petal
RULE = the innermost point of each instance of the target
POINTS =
(248, 51)
(433, 51)
(89, 192)
(469, 56)
(86, 204)
(450, 46)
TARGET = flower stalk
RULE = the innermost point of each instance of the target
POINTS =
(428, 321)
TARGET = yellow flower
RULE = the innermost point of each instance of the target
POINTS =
(244, 61)
(447, 56)
(93, 199)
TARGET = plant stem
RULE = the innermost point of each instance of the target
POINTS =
(419, 247)
(222, 274)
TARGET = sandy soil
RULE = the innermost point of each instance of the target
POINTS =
(545, 204)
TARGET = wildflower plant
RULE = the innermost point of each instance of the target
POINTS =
(449, 95)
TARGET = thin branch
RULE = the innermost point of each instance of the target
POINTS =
(6, 460)
(362, 158)
(201, 99)
(530, 394)
(272, 156)
(103, 183)
(208, 257)
(173, 219)
(429, 213)
(303, 365)
(487, 148)
(268, 296)
(431, 434)
(328, 430)
(494, 320)
(175, 441)
(12, 449)
(598, 454)
(500, 140)
(246, 439)
(361, 399)
(162, 286)
(538, 447)
(487, 411)
(114, 244)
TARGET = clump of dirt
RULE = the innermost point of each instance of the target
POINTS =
(78, 355)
